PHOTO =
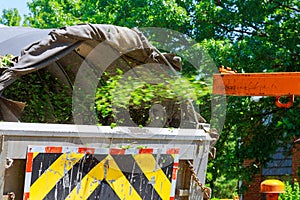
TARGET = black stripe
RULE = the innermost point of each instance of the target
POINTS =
(136, 177)
(126, 163)
(41, 163)
(104, 192)
(74, 176)
(166, 162)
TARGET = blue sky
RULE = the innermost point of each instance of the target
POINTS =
(19, 4)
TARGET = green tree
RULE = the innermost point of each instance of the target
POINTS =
(10, 17)
(140, 13)
(251, 36)
(292, 191)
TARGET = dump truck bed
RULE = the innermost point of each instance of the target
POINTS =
(193, 145)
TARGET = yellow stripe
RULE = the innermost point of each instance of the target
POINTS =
(107, 169)
(34, 154)
(88, 183)
(154, 174)
(43, 185)
(120, 183)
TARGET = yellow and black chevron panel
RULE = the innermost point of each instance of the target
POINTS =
(73, 173)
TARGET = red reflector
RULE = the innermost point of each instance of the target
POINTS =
(173, 151)
(29, 162)
(117, 151)
(146, 151)
(86, 150)
(53, 149)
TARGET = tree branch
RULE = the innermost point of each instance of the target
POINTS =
(288, 7)
(228, 30)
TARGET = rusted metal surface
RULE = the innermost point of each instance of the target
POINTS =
(9, 196)
(206, 191)
(257, 84)
(14, 179)
(183, 182)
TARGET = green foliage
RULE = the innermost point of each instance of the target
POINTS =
(6, 60)
(251, 36)
(10, 17)
(225, 188)
(132, 93)
(263, 33)
(143, 13)
(47, 100)
(292, 191)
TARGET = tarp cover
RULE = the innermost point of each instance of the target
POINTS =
(71, 46)
(13, 39)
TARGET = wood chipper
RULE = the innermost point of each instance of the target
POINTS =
(284, 86)
(84, 160)
(280, 85)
